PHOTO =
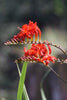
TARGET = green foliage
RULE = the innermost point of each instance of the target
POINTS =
(21, 81)
(58, 7)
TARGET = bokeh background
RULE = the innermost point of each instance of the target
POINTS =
(51, 17)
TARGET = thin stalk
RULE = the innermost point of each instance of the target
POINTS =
(45, 75)
(43, 94)
(41, 85)
(57, 74)
(36, 42)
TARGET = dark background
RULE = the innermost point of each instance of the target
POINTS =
(51, 17)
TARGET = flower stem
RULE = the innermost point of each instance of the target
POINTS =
(45, 75)
(41, 85)
(57, 74)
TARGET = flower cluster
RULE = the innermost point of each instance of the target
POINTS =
(26, 32)
(38, 52)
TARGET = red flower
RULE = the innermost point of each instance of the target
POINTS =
(40, 53)
(48, 58)
(37, 52)
(28, 31)
(34, 30)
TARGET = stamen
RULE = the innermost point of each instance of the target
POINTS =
(31, 39)
(27, 40)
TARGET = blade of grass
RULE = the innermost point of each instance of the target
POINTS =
(25, 95)
(42, 94)
(21, 81)
(41, 85)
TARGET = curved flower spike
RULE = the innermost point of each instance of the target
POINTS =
(26, 32)
(38, 53)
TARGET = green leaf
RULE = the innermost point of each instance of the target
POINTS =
(21, 81)
(41, 85)
(42, 94)
(25, 95)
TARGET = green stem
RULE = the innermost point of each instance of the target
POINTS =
(41, 85)
(45, 75)
(42, 94)
(25, 95)
(51, 69)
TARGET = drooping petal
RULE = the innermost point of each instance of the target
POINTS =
(39, 34)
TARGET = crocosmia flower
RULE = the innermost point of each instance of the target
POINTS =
(27, 31)
(38, 53)
(33, 29)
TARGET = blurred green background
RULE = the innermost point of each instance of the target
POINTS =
(51, 17)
